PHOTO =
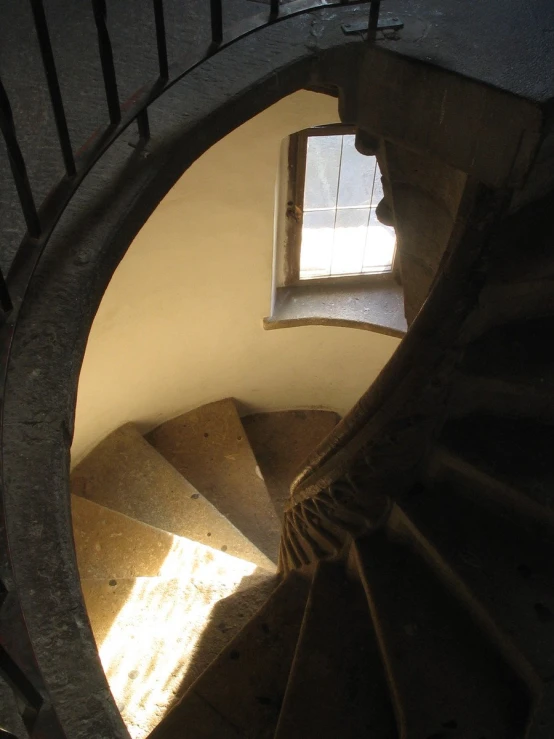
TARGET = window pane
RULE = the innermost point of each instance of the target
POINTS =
(350, 240)
(379, 248)
(317, 243)
(357, 173)
(322, 172)
(341, 234)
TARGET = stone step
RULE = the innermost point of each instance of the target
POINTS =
(531, 397)
(443, 673)
(240, 694)
(126, 474)
(500, 304)
(210, 448)
(508, 372)
(281, 441)
(112, 545)
(155, 635)
(520, 279)
(337, 685)
(475, 483)
(500, 569)
(512, 453)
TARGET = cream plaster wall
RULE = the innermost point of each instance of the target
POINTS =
(181, 322)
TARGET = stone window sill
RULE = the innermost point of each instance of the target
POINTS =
(372, 306)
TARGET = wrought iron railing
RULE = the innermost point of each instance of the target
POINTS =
(40, 220)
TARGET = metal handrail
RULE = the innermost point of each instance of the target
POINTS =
(41, 220)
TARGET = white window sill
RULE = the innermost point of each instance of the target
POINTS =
(375, 305)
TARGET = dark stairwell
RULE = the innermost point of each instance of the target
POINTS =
(415, 593)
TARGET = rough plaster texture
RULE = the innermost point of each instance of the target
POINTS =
(181, 321)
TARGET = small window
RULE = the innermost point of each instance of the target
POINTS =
(332, 227)
(333, 259)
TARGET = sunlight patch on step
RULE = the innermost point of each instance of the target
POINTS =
(150, 645)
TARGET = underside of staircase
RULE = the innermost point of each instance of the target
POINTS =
(290, 575)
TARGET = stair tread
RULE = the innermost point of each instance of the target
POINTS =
(509, 371)
(245, 685)
(281, 441)
(506, 303)
(507, 564)
(447, 468)
(337, 685)
(517, 350)
(521, 274)
(516, 452)
(512, 397)
(524, 252)
(210, 448)
(126, 475)
(157, 634)
(445, 678)
(109, 544)
(206, 722)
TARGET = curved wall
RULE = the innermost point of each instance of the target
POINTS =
(181, 321)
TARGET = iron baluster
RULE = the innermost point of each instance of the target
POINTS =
(216, 17)
(374, 10)
(106, 58)
(161, 39)
(274, 9)
(43, 35)
(6, 304)
(17, 164)
(143, 125)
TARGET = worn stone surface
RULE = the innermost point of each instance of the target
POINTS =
(209, 447)
(281, 442)
(425, 634)
(109, 544)
(206, 720)
(372, 306)
(425, 195)
(246, 684)
(481, 44)
(337, 686)
(126, 474)
(155, 634)
(489, 134)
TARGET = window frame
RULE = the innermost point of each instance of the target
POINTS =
(294, 211)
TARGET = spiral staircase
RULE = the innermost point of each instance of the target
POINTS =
(170, 574)
(413, 594)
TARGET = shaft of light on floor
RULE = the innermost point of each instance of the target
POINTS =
(149, 646)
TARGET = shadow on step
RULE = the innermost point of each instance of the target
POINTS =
(227, 618)
(156, 633)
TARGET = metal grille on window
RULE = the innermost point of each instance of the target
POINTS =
(340, 233)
